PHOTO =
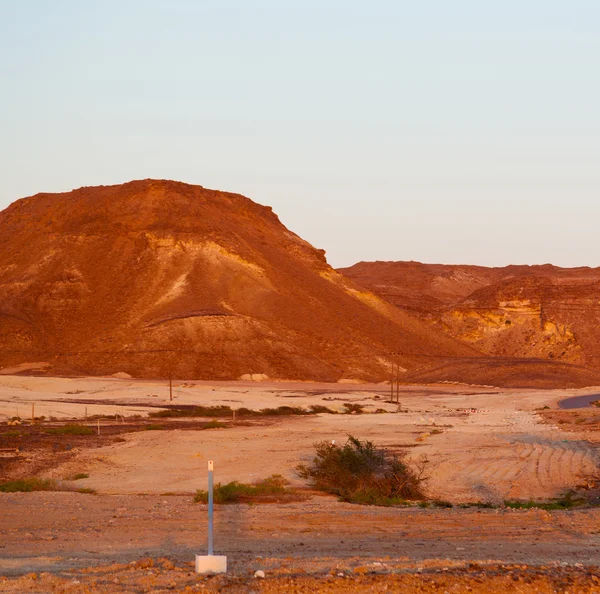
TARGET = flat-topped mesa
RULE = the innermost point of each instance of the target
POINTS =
(157, 278)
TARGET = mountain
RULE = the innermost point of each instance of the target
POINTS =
(157, 278)
(543, 312)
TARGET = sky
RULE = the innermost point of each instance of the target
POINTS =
(451, 132)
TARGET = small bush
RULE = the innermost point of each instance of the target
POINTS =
(280, 411)
(226, 411)
(273, 488)
(284, 411)
(360, 472)
(77, 477)
(70, 430)
(357, 409)
(320, 409)
(246, 412)
(153, 427)
(28, 485)
(196, 411)
(214, 425)
(567, 501)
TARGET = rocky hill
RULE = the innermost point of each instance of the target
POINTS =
(157, 278)
(517, 311)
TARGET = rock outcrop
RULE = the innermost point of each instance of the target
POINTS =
(155, 278)
(544, 312)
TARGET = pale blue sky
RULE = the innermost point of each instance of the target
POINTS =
(459, 132)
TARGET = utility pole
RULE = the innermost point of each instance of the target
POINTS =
(395, 378)
(170, 388)
(392, 384)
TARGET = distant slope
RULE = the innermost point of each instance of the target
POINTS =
(516, 311)
(158, 277)
(506, 373)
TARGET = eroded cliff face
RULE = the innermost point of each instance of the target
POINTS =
(517, 311)
(156, 277)
(513, 328)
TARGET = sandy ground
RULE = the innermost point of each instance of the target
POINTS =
(124, 528)
(482, 444)
(69, 533)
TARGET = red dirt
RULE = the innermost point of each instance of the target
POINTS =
(86, 543)
(162, 575)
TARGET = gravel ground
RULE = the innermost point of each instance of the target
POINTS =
(162, 575)
(83, 543)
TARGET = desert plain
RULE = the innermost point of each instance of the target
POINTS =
(151, 327)
(139, 528)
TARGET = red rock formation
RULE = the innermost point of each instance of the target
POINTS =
(517, 311)
(158, 277)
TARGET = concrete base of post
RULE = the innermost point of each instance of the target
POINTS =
(211, 564)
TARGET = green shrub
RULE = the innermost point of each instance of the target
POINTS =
(273, 488)
(77, 477)
(478, 504)
(567, 501)
(360, 472)
(283, 411)
(273, 412)
(153, 427)
(214, 425)
(28, 485)
(319, 408)
(70, 430)
(227, 411)
(353, 408)
(196, 411)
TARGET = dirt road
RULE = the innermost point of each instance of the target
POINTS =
(43, 531)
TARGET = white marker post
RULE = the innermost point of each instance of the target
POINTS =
(211, 563)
